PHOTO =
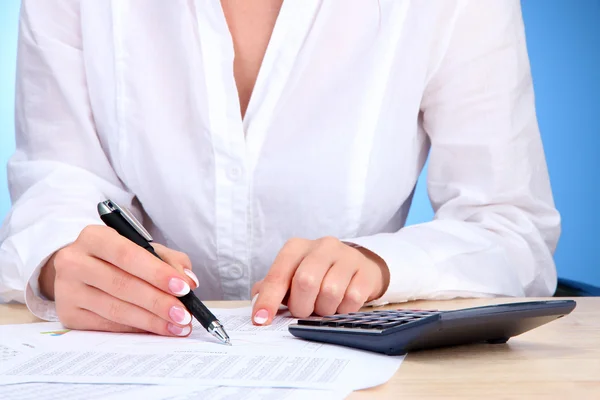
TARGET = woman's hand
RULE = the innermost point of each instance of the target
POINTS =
(105, 282)
(321, 276)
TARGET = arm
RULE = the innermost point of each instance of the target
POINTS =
(495, 226)
(59, 171)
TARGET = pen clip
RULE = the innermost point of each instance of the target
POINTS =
(109, 206)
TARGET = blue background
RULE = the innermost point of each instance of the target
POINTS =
(564, 47)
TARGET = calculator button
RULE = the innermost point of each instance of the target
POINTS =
(338, 322)
(368, 324)
(311, 321)
(389, 324)
(353, 324)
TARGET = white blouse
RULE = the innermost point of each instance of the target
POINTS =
(135, 100)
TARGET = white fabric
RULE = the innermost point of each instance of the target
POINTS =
(135, 100)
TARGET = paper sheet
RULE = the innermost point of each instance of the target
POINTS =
(22, 337)
(67, 391)
(260, 357)
(78, 391)
(237, 322)
(8, 353)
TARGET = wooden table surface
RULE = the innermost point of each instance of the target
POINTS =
(560, 360)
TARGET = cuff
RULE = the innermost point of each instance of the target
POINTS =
(34, 256)
(411, 268)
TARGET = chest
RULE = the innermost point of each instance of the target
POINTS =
(251, 24)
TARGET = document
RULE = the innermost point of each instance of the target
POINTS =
(68, 391)
(8, 353)
(179, 367)
(78, 391)
(267, 357)
(237, 322)
(22, 337)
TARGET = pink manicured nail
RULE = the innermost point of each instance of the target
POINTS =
(178, 286)
(192, 275)
(180, 315)
(179, 331)
(261, 316)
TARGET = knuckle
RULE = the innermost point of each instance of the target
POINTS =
(354, 297)
(114, 311)
(157, 306)
(294, 244)
(331, 291)
(274, 278)
(305, 282)
(329, 242)
(90, 234)
(124, 255)
(64, 258)
(87, 231)
(120, 283)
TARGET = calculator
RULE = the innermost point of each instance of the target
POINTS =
(397, 332)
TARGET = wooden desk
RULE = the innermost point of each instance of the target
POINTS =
(560, 360)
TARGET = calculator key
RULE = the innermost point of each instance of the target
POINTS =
(338, 322)
(389, 324)
(353, 324)
(369, 324)
(311, 321)
(404, 319)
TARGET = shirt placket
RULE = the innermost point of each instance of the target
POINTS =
(227, 133)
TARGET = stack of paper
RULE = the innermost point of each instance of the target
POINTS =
(262, 363)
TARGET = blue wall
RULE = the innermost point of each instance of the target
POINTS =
(564, 47)
(9, 14)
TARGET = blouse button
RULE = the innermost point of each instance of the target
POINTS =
(234, 173)
(235, 272)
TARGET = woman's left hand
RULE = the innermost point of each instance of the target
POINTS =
(323, 276)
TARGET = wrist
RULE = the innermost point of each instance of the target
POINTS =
(381, 267)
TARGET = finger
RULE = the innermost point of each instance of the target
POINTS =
(71, 316)
(124, 313)
(334, 286)
(131, 289)
(105, 243)
(178, 260)
(88, 321)
(277, 281)
(256, 288)
(357, 293)
(308, 278)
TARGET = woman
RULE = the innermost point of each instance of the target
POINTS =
(273, 148)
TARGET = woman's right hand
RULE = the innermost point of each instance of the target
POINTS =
(105, 282)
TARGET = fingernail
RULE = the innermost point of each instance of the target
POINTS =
(178, 330)
(254, 299)
(261, 316)
(178, 286)
(180, 315)
(192, 275)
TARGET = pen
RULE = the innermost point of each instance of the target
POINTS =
(121, 220)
